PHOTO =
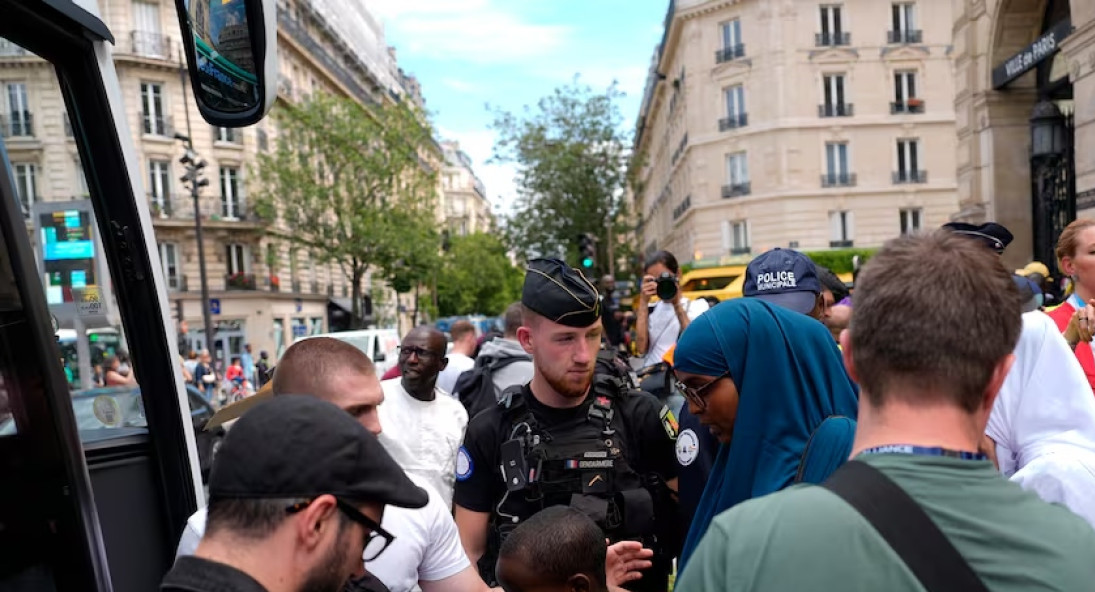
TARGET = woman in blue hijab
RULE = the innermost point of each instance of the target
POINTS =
(763, 379)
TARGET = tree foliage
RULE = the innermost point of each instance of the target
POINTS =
(349, 183)
(572, 155)
(477, 277)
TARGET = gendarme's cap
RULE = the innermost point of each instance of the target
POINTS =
(559, 293)
(785, 278)
(991, 234)
(300, 446)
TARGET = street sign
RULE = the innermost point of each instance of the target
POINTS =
(214, 306)
(1045, 46)
(300, 330)
(88, 301)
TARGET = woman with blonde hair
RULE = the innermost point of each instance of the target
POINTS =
(1075, 318)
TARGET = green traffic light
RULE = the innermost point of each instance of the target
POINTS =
(587, 262)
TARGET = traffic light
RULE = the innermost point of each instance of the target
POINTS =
(587, 251)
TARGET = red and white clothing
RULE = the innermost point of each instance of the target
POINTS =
(1062, 315)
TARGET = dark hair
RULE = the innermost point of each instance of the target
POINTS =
(558, 543)
(936, 313)
(235, 359)
(511, 320)
(252, 519)
(665, 258)
(830, 281)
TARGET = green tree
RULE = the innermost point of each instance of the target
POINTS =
(572, 156)
(348, 182)
(477, 277)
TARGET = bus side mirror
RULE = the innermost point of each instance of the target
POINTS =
(231, 51)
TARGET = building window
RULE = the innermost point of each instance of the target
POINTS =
(910, 221)
(908, 163)
(19, 120)
(231, 197)
(739, 237)
(904, 24)
(26, 185)
(152, 110)
(147, 38)
(159, 186)
(737, 175)
(730, 37)
(236, 258)
(735, 108)
(906, 101)
(832, 27)
(841, 229)
(169, 258)
(228, 134)
(834, 104)
(836, 166)
(81, 180)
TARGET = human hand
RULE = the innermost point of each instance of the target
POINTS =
(649, 288)
(1081, 327)
(625, 561)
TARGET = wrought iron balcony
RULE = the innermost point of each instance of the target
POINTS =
(733, 122)
(727, 54)
(903, 177)
(162, 206)
(17, 124)
(295, 285)
(330, 291)
(838, 180)
(230, 135)
(150, 45)
(838, 110)
(907, 106)
(233, 210)
(240, 281)
(741, 251)
(314, 285)
(156, 125)
(177, 282)
(841, 244)
(832, 39)
(736, 189)
(905, 36)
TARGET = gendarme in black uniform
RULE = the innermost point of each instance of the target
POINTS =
(609, 457)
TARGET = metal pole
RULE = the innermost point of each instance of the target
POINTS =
(207, 321)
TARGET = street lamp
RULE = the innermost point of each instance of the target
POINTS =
(195, 181)
(1047, 130)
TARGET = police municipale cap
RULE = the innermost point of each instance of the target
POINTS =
(560, 293)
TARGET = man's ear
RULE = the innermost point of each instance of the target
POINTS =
(579, 583)
(524, 337)
(312, 522)
(846, 354)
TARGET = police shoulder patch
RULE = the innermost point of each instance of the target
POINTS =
(669, 422)
(464, 465)
(688, 447)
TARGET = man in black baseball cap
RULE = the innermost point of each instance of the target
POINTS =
(786, 278)
(990, 234)
(297, 494)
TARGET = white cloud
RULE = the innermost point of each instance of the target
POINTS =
(631, 78)
(468, 30)
(458, 85)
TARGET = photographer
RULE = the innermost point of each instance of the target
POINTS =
(658, 326)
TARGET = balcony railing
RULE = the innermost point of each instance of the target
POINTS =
(832, 39)
(161, 206)
(17, 124)
(330, 291)
(907, 106)
(841, 244)
(741, 251)
(736, 189)
(733, 122)
(296, 286)
(177, 283)
(840, 110)
(10, 49)
(314, 285)
(181, 207)
(240, 281)
(905, 36)
(347, 74)
(838, 180)
(230, 135)
(156, 125)
(727, 54)
(150, 45)
(903, 177)
(233, 210)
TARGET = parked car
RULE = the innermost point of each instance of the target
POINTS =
(379, 344)
(208, 442)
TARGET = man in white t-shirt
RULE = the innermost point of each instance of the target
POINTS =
(426, 551)
(460, 358)
(657, 327)
(423, 425)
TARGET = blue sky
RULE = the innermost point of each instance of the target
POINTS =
(468, 53)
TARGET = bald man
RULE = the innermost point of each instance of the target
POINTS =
(423, 425)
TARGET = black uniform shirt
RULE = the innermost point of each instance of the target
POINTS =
(194, 574)
(650, 428)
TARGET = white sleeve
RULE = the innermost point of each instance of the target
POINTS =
(444, 556)
(192, 534)
(697, 307)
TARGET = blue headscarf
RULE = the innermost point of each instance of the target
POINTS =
(790, 378)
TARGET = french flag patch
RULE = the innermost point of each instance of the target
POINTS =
(572, 464)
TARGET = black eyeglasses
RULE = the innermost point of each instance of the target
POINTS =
(405, 351)
(377, 540)
(695, 395)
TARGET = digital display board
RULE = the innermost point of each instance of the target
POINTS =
(68, 253)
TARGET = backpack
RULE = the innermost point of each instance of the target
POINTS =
(475, 387)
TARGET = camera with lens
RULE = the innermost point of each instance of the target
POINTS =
(667, 285)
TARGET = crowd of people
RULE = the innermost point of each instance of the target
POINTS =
(931, 428)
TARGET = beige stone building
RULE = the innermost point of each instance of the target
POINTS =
(810, 125)
(1014, 58)
(264, 292)
(465, 208)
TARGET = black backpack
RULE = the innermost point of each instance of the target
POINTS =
(475, 387)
